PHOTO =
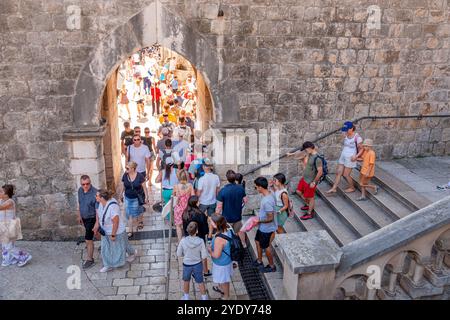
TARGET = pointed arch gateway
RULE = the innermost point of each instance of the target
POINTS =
(155, 24)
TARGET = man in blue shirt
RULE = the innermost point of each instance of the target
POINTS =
(267, 225)
(229, 204)
(87, 216)
(174, 84)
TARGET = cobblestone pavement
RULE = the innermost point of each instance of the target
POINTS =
(45, 276)
(145, 278)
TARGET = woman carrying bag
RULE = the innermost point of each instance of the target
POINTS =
(135, 196)
(114, 240)
(10, 230)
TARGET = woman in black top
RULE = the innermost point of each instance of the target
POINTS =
(193, 213)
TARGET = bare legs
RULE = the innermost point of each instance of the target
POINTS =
(179, 228)
(346, 172)
(90, 249)
(268, 251)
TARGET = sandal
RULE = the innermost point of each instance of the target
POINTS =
(216, 289)
(140, 225)
(130, 235)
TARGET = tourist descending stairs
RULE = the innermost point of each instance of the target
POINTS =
(345, 219)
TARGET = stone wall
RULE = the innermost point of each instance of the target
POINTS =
(306, 66)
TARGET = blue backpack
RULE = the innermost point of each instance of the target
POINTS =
(324, 167)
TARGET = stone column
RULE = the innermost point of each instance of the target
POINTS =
(309, 260)
(87, 155)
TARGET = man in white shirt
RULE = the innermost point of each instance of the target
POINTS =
(182, 126)
(140, 154)
(208, 188)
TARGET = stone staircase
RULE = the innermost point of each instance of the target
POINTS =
(347, 220)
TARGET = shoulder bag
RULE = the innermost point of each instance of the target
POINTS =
(100, 229)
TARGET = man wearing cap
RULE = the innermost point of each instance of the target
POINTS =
(208, 188)
(347, 161)
(160, 145)
(311, 175)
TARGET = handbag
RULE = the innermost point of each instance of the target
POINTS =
(100, 229)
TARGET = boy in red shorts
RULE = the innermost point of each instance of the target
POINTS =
(311, 175)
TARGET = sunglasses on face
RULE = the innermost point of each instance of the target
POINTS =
(127, 168)
(86, 184)
(136, 139)
(147, 131)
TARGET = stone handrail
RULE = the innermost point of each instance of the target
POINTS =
(395, 235)
(412, 252)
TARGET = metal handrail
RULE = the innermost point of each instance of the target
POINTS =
(169, 258)
(326, 135)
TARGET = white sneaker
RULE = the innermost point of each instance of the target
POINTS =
(105, 269)
(22, 263)
(131, 258)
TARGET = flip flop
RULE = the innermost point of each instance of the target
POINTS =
(216, 289)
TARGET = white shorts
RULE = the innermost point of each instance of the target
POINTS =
(222, 274)
(347, 161)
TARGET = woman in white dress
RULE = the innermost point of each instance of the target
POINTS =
(347, 161)
(10, 253)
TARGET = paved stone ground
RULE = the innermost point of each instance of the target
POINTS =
(422, 174)
(45, 276)
(145, 277)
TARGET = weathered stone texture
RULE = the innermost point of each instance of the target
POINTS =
(308, 66)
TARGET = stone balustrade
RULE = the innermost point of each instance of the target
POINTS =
(408, 259)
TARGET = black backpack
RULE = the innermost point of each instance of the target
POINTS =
(165, 156)
(236, 248)
(324, 167)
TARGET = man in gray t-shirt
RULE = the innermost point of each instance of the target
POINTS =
(87, 216)
(267, 225)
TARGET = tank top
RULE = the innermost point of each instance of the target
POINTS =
(350, 145)
(225, 257)
(278, 194)
(8, 214)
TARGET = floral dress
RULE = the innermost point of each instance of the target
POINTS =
(182, 203)
(10, 253)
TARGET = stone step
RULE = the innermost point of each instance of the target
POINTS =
(386, 200)
(331, 222)
(305, 225)
(400, 294)
(291, 225)
(400, 190)
(273, 280)
(341, 207)
(368, 209)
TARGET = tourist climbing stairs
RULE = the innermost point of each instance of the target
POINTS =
(344, 218)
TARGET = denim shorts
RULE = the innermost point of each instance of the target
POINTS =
(210, 209)
(196, 270)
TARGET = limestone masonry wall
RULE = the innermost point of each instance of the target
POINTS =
(305, 65)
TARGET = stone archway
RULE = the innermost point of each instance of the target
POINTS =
(154, 24)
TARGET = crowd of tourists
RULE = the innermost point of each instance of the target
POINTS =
(147, 80)
(207, 217)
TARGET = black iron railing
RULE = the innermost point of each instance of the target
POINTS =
(326, 135)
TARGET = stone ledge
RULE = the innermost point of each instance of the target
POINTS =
(399, 233)
(87, 133)
(308, 252)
